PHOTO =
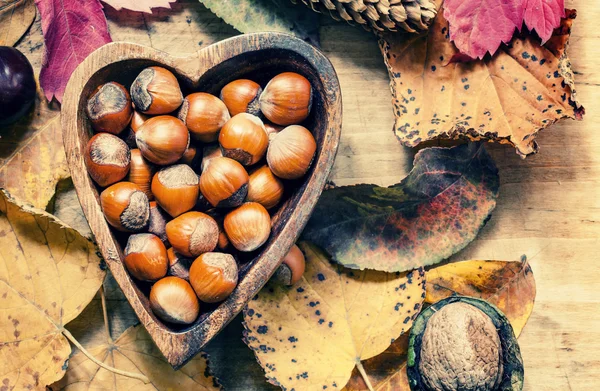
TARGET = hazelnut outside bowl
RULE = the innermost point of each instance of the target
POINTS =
(259, 57)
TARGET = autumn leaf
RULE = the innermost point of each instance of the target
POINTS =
(66, 207)
(48, 274)
(32, 156)
(16, 16)
(135, 352)
(72, 30)
(477, 27)
(249, 16)
(139, 5)
(433, 213)
(312, 335)
(507, 98)
(510, 286)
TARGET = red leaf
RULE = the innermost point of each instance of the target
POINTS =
(72, 30)
(481, 26)
(139, 5)
(544, 16)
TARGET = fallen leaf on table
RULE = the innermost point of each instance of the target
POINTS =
(66, 207)
(16, 16)
(510, 286)
(72, 30)
(249, 16)
(433, 213)
(312, 335)
(387, 371)
(139, 5)
(48, 274)
(135, 352)
(507, 98)
(477, 27)
(32, 156)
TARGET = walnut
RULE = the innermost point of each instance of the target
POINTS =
(461, 350)
(463, 344)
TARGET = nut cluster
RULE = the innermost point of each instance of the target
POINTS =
(193, 180)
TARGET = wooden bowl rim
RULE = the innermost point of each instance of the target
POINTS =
(178, 347)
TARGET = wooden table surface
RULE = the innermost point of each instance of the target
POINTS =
(548, 208)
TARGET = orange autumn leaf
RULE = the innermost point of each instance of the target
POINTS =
(510, 286)
(507, 98)
(16, 16)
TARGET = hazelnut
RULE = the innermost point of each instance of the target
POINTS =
(204, 115)
(176, 189)
(273, 129)
(192, 157)
(137, 120)
(264, 187)
(157, 224)
(125, 207)
(173, 300)
(244, 138)
(210, 152)
(286, 99)
(163, 140)
(109, 108)
(241, 96)
(146, 257)
(156, 91)
(193, 233)
(107, 159)
(291, 152)
(224, 182)
(248, 226)
(292, 267)
(179, 266)
(141, 172)
(214, 276)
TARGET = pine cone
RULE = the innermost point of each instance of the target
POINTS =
(379, 15)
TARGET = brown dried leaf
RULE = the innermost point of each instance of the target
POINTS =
(16, 16)
(507, 98)
(135, 352)
(48, 274)
(312, 335)
(510, 286)
(32, 156)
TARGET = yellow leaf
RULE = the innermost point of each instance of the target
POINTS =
(32, 156)
(134, 352)
(312, 335)
(16, 16)
(48, 274)
(510, 286)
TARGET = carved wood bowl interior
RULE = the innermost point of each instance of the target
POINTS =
(258, 57)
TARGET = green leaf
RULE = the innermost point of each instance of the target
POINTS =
(433, 213)
(249, 16)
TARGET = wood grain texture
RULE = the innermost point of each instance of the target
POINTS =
(257, 56)
(548, 209)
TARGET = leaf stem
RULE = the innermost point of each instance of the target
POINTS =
(75, 342)
(363, 373)
(105, 315)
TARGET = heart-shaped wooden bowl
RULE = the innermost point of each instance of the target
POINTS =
(256, 56)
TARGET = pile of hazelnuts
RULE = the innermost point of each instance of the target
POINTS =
(193, 180)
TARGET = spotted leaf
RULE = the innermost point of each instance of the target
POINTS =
(433, 213)
(508, 98)
(48, 274)
(310, 336)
